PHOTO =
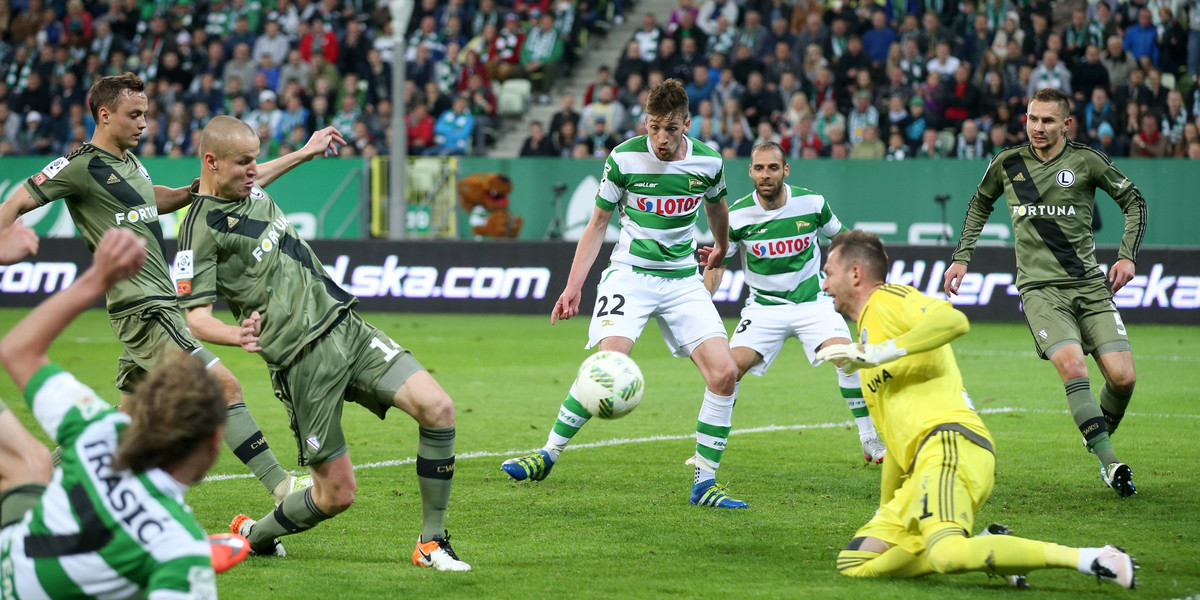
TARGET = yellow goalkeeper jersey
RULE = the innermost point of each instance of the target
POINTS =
(920, 393)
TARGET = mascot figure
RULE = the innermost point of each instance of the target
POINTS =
(485, 196)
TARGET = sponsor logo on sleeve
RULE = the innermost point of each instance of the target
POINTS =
(53, 168)
(39, 179)
(184, 268)
(183, 287)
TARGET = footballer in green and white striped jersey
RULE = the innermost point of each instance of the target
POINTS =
(98, 532)
(780, 256)
(659, 201)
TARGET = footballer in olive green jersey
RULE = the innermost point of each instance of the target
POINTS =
(237, 243)
(1050, 186)
(105, 186)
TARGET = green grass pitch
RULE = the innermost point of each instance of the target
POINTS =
(613, 519)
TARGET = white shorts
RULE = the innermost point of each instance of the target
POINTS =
(625, 300)
(764, 329)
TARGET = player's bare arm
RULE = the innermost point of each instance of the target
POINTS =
(718, 223)
(19, 203)
(169, 200)
(324, 142)
(953, 278)
(120, 254)
(712, 275)
(567, 305)
(16, 243)
(209, 328)
(1121, 273)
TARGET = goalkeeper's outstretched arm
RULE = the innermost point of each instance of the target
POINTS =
(942, 324)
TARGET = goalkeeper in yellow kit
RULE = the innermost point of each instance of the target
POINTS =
(940, 464)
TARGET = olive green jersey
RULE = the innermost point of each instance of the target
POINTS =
(1051, 203)
(247, 251)
(103, 191)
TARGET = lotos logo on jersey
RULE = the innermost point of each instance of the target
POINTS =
(781, 247)
(669, 207)
(269, 241)
(145, 213)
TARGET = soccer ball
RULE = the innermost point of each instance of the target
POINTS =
(609, 385)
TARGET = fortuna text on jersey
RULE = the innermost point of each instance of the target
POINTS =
(271, 239)
(144, 213)
(1041, 210)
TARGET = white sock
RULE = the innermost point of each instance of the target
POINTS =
(866, 429)
(704, 474)
(1086, 557)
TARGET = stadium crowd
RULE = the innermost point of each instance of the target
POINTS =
(894, 80)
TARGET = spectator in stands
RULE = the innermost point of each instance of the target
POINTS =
(1174, 120)
(454, 130)
(977, 42)
(738, 145)
(751, 34)
(915, 124)
(420, 129)
(541, 55)
(897, 149)
(960, 98)
(565, 138)
(604, 106)
(421, 68)
(603, 79)
(828, 117)
(931, 146)
(537, 144)
(1049, 73)
(240, 67)
(1141, 40)
(1157, 100)
(802, 137)
(600, 139)
(10, 123)
(727, 87)
(648, 38)
(1098, 112)
(836, 146)
(870, 147)
(862, 116)
(712, 10)
(969, 145)
(505, 58)
(566, 112)
(688, 29)
(1119, 63)
(319, 116)
(780, 62)
(943, 62)
(354, 49)
(631, 63)
(758, 104)
(1133, 90)
(1088, 74)
(879, 39)
(1149, 142)
(669, 63)
(1191, 136)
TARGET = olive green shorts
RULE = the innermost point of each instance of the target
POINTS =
(148, 336)
(1083, 315)
(353, 362)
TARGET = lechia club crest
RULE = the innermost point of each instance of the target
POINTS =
(1065, 178)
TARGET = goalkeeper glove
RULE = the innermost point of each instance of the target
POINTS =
(852, 357)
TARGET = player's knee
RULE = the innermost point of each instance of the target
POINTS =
(334, 495)
(855, 560)
(436, 410)
(229, 384)
(721, 378)
(1122, 380)
(948, 555)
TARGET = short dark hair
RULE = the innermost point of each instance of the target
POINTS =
(768, 146)
(107, 91)
(667, 99)
(859, 247)
(1054, 95)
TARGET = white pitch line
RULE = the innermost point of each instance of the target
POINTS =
(661, 438)
(1031, 354)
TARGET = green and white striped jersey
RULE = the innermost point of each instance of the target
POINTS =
(100, 533)
(659, 201)
(780, 256)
